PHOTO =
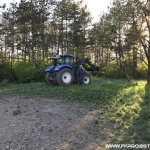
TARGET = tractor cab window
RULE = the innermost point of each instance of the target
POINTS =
(59, 61)
(69, 60)
(63, 60)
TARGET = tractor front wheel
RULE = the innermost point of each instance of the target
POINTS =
(85, 79)
(65, 77)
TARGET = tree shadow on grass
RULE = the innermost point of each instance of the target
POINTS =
(139, 132)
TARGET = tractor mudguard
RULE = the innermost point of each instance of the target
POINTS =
(49, 69)
(58, 68)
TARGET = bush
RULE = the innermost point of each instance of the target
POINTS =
(5, 71)
(110, 70)
(27, 72)
(141, 71)
(4, 83)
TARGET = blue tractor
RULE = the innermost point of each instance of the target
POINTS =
(67, 69)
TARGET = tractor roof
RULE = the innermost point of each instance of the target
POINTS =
(67, 55)
(59, 56)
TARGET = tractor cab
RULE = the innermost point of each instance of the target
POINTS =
(67, 59)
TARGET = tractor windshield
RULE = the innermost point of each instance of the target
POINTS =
(63, 60)
(69, 60)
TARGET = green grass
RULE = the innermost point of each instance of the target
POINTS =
(98, 93)
(125, 106)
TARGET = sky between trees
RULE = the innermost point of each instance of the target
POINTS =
(96, 7)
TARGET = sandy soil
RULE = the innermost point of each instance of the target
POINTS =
(28, 123)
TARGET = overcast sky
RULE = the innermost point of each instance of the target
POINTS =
(96, 7)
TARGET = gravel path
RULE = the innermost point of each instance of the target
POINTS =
(45, 124)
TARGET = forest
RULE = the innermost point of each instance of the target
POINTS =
(35, 30)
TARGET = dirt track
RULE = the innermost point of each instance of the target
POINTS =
(46, 124)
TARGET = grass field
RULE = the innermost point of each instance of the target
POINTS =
(125, 106)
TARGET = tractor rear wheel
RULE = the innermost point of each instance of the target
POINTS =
(47, 81)
(85, 79)
(65, 77)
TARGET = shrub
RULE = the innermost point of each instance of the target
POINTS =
(4, 83)
(110, 70)
(141, 70)
(27, 72)
(5, 71)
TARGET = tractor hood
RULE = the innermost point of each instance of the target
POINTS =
(49, 69)
(62, 66)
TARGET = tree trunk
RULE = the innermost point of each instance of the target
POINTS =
(148, 73)
(134, 68)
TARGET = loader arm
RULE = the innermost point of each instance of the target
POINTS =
(88, 65)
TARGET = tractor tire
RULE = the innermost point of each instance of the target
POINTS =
(47, 81)
(85, 79)
(65, 77)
